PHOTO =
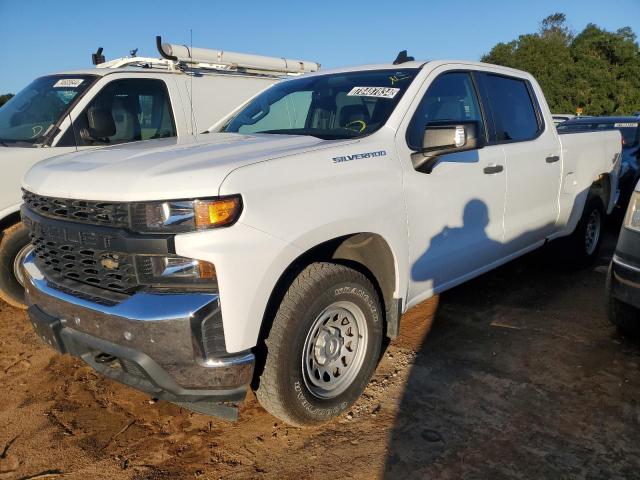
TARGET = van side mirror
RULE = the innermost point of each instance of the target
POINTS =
(443, 138)
(100, 122)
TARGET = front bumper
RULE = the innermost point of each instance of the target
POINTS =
(160, 343)
(624, 281)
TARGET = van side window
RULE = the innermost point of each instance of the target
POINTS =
(450, 97)
(513, 111)
(126, 110)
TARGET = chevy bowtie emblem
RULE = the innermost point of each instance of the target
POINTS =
(110, 261)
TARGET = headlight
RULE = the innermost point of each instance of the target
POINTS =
(185, 215)
(632, 218)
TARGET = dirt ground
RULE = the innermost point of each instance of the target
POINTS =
(520, 376)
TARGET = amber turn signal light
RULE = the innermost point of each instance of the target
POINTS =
(217, 213)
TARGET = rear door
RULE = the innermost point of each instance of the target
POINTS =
(533, 159)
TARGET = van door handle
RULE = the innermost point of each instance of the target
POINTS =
(491, 169)
(552, 159)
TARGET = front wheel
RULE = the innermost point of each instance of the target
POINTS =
(14, 247)
(323, 346)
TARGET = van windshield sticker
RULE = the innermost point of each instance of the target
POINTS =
(378, 92)
(68, 83)
(623, 125)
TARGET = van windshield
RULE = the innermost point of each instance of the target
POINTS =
(333, 106)
(28, 117)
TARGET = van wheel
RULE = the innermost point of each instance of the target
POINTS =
(323, 346)
(583, 245)
(14, 247)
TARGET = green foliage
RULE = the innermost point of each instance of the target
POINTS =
(596, 70)
(5, 98)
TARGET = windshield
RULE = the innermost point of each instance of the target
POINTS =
(335, 106)
(629, 130)
(29, 116)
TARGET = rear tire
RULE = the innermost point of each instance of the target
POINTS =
(13, 248)
(582, 247)
(323, 346)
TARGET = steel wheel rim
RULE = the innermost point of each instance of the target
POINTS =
(17, 263)
(334, 349)
(592, 234)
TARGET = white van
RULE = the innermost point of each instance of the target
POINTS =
(120, 101)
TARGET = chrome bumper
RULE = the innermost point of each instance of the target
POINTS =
(160, 343)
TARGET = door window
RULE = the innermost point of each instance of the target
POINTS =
(126, 111)
(451, 97)
(514, 114)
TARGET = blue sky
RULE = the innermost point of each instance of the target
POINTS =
(44, 36)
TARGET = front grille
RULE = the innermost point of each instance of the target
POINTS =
(110, 214)
(103, 269)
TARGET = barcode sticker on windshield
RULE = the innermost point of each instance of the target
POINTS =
(68, 83)
(624, 125)
(379, 92)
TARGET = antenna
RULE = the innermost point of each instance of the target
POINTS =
(403, 58)
(97, 58)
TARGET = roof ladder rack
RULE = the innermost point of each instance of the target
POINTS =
(233, 61)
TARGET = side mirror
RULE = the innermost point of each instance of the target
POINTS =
(442, 138)
(100, 122)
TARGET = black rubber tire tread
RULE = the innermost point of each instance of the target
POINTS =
(275, 388)
(573, 249)
(625, 317)
(13, 239)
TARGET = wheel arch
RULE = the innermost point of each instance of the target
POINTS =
(9, 220)
(366, 252)
(603, 187)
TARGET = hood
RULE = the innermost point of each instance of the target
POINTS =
(162, 169)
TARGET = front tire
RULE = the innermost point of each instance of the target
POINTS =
(13, 248)
(323, 346)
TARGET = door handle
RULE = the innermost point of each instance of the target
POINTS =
(491, 169)
(552, 159)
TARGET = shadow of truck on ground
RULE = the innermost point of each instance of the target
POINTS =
(514, 382)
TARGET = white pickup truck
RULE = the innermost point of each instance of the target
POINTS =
(123, 100)
(278, 252)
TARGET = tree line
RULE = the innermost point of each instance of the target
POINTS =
(595, 70)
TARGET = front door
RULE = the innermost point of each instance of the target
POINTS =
(455, 212)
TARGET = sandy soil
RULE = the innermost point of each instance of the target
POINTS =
(520, 376)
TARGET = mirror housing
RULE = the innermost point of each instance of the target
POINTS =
(443, 138)
(100, 122)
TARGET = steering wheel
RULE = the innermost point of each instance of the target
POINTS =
(360, 126)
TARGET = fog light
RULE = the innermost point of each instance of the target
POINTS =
(167, 270)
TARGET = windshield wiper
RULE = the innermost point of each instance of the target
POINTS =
(290, 132)
(312, 133)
